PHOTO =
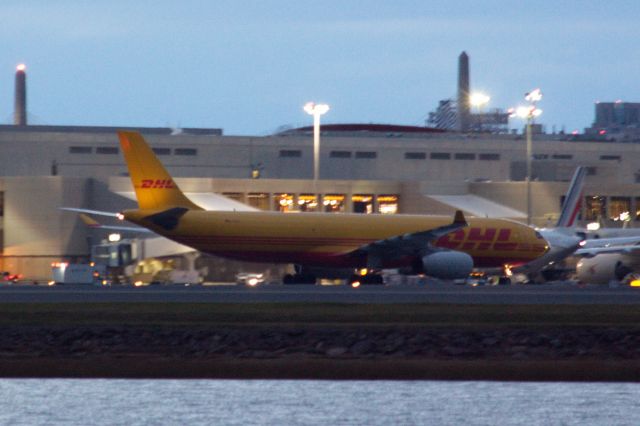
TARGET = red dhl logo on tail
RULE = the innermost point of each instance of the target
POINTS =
(157, 183)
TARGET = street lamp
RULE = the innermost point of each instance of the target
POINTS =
(529, 112)
(316, 110)
(479, 100)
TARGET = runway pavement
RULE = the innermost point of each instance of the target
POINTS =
(515, 294)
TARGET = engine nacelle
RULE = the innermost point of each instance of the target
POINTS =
(447, 265)
(602, 269)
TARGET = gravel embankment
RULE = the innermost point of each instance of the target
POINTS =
(516, 353)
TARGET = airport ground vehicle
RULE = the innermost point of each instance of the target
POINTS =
(78, 273)
(250, 279)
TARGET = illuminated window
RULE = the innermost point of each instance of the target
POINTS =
(185, 151)
(619, 208)
(333, 203)
(308, 203)
(259, 200)
(283, 202)
(388, 204)
(595, 207)
(637, 208)
(362, 203)
(106, 150)
(80, 150)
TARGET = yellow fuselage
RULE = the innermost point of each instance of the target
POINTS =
(322, 239)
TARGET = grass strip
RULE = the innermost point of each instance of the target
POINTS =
(291, 314)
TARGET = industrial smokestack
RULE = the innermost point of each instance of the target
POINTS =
(20, 107)
(463, 92)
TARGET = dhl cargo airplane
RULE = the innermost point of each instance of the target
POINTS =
(433, 245)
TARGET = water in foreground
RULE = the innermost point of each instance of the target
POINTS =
(309, 402)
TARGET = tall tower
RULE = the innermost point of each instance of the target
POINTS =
(463, 92)
(20, 106)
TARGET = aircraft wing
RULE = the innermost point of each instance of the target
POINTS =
(409, 244)
(91, 223)
(627, 249)
(87, 211)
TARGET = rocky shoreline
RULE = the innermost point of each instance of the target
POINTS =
(358, 351)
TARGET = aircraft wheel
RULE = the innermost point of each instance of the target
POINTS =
(288, 279)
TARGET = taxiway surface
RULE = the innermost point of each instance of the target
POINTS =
(544, 294)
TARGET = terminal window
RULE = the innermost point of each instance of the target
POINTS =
(489, 157)
(362, 203)
(290, 153)
(366, 154)
(162, 151)
(106, 150)
(340, 154)
(619, 208)
(440, 156)
(308, 202)
(185, 151)
(259, 200)
(562, 156)
(333, 203)
(464, 156)
(388, 204)
(283, 203)
(610, 157)
(415, 155)
(80, 150)
(595, 207)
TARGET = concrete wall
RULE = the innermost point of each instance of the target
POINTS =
(36, 232)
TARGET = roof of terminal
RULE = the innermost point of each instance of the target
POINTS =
(110, 129)
(364, 128)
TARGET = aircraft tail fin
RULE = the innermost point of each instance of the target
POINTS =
(153, 185)
(573, 199)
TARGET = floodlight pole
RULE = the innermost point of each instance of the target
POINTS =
(529, 164)
(316, 110)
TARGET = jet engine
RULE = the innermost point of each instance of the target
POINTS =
(447, 265)
(602, 269)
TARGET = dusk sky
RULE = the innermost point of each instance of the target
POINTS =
(249, 66)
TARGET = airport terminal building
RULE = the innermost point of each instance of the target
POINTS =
(368, 169)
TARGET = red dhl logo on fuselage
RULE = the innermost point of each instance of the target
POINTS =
(157, 183)
(484, 239)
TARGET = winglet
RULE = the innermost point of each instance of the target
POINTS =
(459, 218)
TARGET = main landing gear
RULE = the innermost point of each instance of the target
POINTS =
(365, 277)
(299, 279)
